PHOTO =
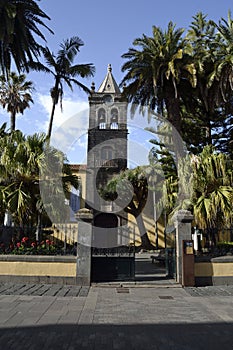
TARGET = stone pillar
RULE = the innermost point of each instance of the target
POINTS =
(83, 272)
(182, 220)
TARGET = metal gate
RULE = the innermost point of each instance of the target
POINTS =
(170, 254)
(113, 264)
(112, 257)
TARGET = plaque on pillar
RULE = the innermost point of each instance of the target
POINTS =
(188, 278)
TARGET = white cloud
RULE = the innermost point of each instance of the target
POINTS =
(69, 127)
(71, 106)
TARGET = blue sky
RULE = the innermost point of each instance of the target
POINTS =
(108, 29)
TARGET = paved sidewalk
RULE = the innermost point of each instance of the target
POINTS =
(113, 317)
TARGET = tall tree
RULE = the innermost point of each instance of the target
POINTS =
(15, 95)
(204, 104)
(224, 73)
(63, 70)
(155, 71)
(224, 64)
(207, 109)
(19, 21)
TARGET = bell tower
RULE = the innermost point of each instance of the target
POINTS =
(107, 154)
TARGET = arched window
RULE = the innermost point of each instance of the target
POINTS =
(114, 119)
(102, 118)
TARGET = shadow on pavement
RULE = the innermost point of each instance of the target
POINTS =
(201, 336)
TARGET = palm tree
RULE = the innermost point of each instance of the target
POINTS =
(212, 189)
(15, 95)
(13, 168)
(156, 70)
(22, 160)
(19, 20)
(63, 70)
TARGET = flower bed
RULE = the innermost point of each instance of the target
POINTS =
(27, 246)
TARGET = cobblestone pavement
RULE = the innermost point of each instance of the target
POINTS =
(115, 317)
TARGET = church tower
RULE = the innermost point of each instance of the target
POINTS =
(107, 155)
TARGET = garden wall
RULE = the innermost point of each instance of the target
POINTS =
(38, 269)
(213, 271)
(62, 269)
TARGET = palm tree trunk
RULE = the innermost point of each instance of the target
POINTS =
(173, 110)
(174, 117)
(172, 104)
(55, 93)
(51, 121)
(12, 116)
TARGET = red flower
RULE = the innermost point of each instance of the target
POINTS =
(48, 241)
(33, 244)
(18, 245)
(25, 239)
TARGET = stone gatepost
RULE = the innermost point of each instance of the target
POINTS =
(182, 220)
(83, 272)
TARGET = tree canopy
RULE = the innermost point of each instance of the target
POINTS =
(20, 23)
(15, 95)
(187, 78)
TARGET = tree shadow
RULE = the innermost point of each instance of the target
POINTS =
(177, 336)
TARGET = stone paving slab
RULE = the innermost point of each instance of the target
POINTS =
(153, 318)
(43, 289)
(210, 291)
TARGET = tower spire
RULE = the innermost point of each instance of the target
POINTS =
(109, 84)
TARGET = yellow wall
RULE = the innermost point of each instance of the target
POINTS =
(150, 228)
(68, 232)
(207, 269)
(28, 268)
